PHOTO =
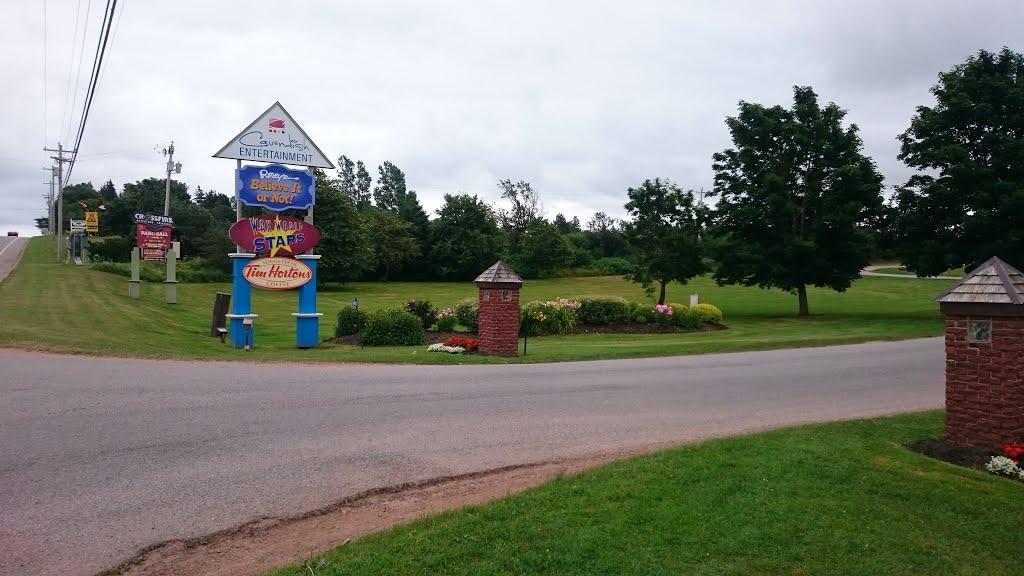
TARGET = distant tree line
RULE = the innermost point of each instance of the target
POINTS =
(796, 203)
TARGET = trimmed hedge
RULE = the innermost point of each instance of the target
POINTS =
(351, 320)
(602, 311)
(393, 327)
(614, 266)
(708, 313)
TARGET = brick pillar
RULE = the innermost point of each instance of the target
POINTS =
(499, 310)
(984, 380)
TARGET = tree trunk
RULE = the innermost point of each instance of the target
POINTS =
(661, 297)
(801, 292)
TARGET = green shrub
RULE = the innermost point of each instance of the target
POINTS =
(639, 309)
(678, 312)
(552, 317)
(351, 320)
(446, 320)
(147, 272)
(614, 266)
(690, 319)
(393, 327)
(708, 313)
(423, 310)
(111, 249)
(641, 318)
(467, 313)
(601, 311)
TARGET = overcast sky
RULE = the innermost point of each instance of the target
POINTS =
(581, 98)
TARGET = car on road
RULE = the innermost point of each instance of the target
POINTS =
(12, 233)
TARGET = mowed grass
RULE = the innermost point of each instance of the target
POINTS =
(68, 308)
(843, 498)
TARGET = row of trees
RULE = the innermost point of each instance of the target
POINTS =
(796, 204)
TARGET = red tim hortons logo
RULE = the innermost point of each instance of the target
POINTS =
(274, 235)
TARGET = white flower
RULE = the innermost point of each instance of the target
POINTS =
(445, 349)
(1003, 465)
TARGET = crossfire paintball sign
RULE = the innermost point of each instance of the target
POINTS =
(266, 234)
(277, 273)
(275, 137)
(153, 234)
(275, 187)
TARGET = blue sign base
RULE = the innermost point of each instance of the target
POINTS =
(242, 336)
(307, 320)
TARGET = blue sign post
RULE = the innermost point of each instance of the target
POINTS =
(243, 334)
(307, 319)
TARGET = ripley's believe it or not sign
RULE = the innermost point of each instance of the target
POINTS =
(266, 234)
(277, 273)
(275, 187)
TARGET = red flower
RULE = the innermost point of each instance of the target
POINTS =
(1014, 451)
(468, 344)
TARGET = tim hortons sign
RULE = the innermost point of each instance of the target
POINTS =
(266, 234)
(275, 273)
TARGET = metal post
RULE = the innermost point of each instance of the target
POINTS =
(60, 200)
(134, 281)
(167, 185)
(171, 284)
(238, 203)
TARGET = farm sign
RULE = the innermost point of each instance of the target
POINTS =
(277, 273)
(267, 234)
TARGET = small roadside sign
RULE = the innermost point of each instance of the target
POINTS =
(92, 222)
(78, 225)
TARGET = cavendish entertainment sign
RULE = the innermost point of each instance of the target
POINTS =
(275, 187)
(277, 273)
(267, 234)
(275, 137)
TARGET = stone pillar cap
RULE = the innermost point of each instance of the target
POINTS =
(499, 274)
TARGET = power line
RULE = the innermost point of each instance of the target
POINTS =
(65, 116)
(46, 93)
(117, 25)
(101, 48)
(78, 72)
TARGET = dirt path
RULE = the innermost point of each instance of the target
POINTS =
(269, 543)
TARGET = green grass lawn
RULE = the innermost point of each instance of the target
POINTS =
(68, 308)
(896, 269)
(843, 498)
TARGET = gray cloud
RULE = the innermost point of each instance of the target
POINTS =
(583, 99)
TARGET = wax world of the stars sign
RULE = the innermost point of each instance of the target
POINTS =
(275, 187)
(274, 234)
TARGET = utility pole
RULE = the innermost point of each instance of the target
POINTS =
(60, 159)
(171, 167)
(50, 206)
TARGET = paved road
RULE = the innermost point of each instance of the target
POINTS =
(11, 248)
(100, 457)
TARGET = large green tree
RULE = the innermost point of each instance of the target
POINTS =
(363, 183)
(390, 189)
(665, 230)
(394, 245)
(345, 246)
(543, 251)
(967, 204)
(347, 177)
(796, 193)
(525, 208)
(465, 238)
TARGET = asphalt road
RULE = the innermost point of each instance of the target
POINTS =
(101, 457)
(11, 248)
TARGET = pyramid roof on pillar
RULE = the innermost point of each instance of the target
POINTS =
(499, 273)
(994, 282)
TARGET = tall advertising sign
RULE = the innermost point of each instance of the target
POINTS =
(276, 139)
